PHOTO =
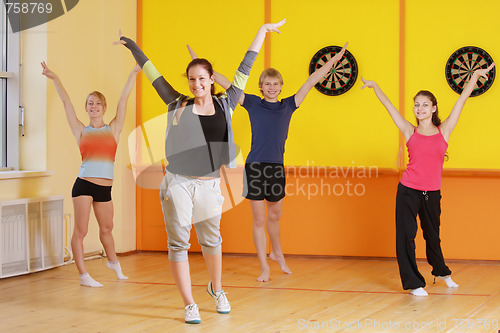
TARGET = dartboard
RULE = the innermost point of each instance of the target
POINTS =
(341, 77)
(462, 63)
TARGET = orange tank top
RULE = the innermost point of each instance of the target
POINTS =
(98, 150)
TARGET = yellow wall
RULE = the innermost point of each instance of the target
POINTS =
(354, 128)
(434, 30)
(77, 46)
(339, 130)
(222, 36)
(325, 130)
(351, 129)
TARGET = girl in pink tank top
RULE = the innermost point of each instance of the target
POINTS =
(419, 189)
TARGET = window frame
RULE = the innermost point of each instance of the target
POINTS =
(9, 159)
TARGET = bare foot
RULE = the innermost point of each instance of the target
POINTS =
(280, 260)
(264, 275)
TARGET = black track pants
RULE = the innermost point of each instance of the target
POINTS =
(427, 205)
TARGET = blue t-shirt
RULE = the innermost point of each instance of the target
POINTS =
(270, 122)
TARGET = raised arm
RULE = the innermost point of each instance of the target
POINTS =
(235, 91)
(167, 93)
(401, 123)
(117, 123)
(76, 125)
(449, 123)
(261, 34)
(316, 76)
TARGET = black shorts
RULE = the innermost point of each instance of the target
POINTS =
(98, 193)
(264, 181)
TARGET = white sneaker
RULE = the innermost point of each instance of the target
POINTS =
(191, 314)
(221, 303)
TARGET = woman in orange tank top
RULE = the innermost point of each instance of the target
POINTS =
(92, 189)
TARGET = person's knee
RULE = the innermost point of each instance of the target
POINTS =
(177, 249)
(177, 255)
(211, 248)
(209, 235)
(274, 216)
(259, 221)
(80, 232)
(106, 229)
(209, 239)
(406, 230)
(432, 238)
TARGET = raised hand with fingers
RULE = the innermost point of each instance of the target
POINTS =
(317, 76)
(339, 55)
(75, 124)
(450, 123)
(401, 123)
(261, 34)
(136, 69)
(368, 83)
(484, 71)
(273, 27)
(191, 52)
(47, 72)
(119, 41)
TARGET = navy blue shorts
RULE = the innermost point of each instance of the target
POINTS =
(98, 193)
(264, 181)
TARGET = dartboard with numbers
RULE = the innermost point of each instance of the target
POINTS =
(462, 64)
(341, 77)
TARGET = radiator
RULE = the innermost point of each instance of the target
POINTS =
(31, 235)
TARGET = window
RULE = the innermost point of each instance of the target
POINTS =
(9, 95)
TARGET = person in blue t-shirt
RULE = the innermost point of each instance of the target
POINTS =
(264, 178)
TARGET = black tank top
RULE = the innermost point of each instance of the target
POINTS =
(202, 160)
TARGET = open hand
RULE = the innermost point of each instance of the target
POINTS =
(484, 71)
(119, 41)
(136, 69)
(339, 55)
(368, 83)
(191, 52)
(270, 27)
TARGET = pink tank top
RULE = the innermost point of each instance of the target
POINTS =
(426, 157)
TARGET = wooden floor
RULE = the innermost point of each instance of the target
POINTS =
(333, 295)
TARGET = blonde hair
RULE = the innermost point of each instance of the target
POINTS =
(99, 95)
(270, 72)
